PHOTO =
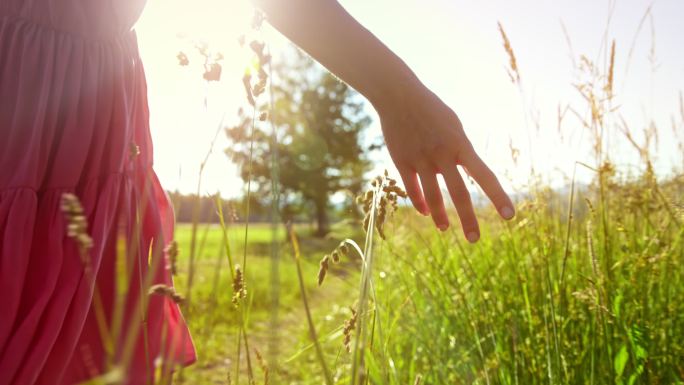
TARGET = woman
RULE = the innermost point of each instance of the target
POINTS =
(74, 120)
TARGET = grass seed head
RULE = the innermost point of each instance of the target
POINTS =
(212, 72)
(239, 286)
(323, 269)
(393, 189)
(611, 70)
(262, 365)
(349, 326)
(343, 248)
(388, 193)
(246, 81)
(335, 256)
(134, 150)
(257, 47)
(172, 251)
(513, 72)
(77, 225)
(182, 59)
(259, 87)
(166, 291)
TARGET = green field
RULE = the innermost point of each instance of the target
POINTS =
(593, 297)
(584, 286)
(213, 317)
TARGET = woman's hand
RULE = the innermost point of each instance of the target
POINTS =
(425, 138)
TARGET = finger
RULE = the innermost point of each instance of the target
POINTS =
(412, 187)
(489, 183)
(433, 197)
(461, 198)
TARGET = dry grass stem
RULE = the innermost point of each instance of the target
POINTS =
(262, 365)
(611, 72)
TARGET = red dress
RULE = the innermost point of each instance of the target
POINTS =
(74, 118)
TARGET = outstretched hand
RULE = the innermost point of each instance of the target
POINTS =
(425, 138)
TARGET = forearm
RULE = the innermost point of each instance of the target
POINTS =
(423, 135)
(335, 39)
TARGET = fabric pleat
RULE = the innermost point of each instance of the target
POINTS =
(74, 119)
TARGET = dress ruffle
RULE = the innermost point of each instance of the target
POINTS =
(74, 119)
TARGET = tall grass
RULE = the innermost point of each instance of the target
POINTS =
(584, 286)
(495, 308)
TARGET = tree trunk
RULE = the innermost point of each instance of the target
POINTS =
(322, 220)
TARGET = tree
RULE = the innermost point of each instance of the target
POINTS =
(319, 121)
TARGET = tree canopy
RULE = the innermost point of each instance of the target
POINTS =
(319, 122)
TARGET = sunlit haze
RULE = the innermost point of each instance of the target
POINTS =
(456, 49)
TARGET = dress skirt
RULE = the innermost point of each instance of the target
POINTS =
(74, 120)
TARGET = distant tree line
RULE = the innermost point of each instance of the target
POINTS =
(235, 210)
(204, 209)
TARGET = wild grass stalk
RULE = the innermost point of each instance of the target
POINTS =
(302, 289)
(77, 229)
(273, 347)
(360, 342)
(243, 325)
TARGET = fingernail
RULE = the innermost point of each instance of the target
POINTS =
(425, 212)
(472, 237)
(442, 227)
(507, 212)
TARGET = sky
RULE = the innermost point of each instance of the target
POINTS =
(455, 48)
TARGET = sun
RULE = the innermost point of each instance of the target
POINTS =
(181, 123)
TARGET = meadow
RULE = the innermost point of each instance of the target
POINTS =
(580, 288)
(583, 286)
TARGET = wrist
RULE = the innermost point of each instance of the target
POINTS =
(395, 91)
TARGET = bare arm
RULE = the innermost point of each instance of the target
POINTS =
(423, 135)
(335, 39)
